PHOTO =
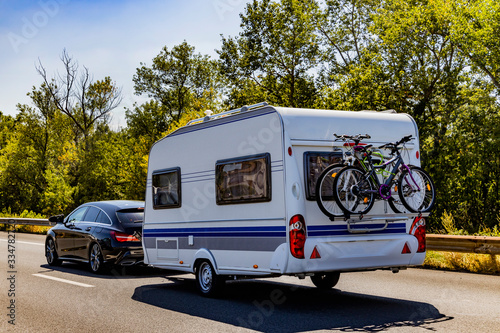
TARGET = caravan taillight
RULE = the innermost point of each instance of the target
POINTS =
(418, 230)
(297, 236)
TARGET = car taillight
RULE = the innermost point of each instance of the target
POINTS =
(418, 230)
(122, 237)
(297, 236)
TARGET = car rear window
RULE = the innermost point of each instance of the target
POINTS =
(131, 218)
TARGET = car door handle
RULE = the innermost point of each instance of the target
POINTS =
(88, 228)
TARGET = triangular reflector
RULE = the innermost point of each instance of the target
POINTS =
(406, 249)
(315, 254)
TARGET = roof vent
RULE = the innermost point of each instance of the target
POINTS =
(208, 114)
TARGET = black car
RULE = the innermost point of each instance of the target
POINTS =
(100, 233)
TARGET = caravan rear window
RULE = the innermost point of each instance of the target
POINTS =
(244, 179)
(167, 188)
(314, 164)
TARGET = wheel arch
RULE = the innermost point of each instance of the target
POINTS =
(204, 254)
(51, 235)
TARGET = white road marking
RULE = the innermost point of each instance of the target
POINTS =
(64, 280)
(23, 242)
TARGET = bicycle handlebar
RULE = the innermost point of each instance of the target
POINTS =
(395, 144)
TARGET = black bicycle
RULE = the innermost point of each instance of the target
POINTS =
(355, 190)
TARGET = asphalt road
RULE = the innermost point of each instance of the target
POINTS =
(70, 299)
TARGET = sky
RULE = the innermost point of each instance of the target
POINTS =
(109, 37)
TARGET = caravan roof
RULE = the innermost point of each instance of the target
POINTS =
(319, 125)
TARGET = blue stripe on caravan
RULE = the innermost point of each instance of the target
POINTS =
(341, 230)
(273, 231)
(216, 234)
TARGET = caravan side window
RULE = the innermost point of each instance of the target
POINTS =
(167, 188)
(314, 164)
(242, 180)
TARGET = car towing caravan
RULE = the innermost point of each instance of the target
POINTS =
(233, 195)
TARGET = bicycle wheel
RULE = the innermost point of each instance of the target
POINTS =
(324, 191)
(353, 193)
(416, 190)
(394, 201)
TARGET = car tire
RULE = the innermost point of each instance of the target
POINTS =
(51, 253)
(96, 260)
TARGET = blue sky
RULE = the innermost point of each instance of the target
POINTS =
(109, 37)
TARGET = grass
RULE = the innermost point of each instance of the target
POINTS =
(31, 229)
(464, 262)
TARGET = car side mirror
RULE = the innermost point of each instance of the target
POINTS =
(56, 218)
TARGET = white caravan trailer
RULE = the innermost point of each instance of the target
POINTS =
(232, 195)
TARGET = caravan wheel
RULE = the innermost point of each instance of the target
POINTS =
(325, 280)
(208, 282)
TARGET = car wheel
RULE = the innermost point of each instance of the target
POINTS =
(96, 261)
(325, 280)
(51, 253)
(208, 282)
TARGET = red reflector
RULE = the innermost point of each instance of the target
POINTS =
(418, 154)
(290, 151)
(315, 254)
(122, 237)
(406, 249)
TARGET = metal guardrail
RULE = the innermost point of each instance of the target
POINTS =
(446, 243)
(25, 221)
(465, 244)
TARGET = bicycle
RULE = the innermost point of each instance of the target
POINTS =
(353, 156)
(355, 189)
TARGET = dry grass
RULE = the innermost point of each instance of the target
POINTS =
(468, 262)
(32, 229)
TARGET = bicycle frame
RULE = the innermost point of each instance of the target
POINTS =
(383, 189)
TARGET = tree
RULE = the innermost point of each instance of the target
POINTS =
(86, 102)
(6, 128)
(27, 154)
(470, 162)
(177, 81)
(474, 27)
(275, 54)
(149, 120)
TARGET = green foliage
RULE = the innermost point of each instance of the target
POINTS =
(176, 81)
(7, 212)
(274, 54)
(474, 27)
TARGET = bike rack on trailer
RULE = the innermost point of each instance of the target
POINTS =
(359, 219)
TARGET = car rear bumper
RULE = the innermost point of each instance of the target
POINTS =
(125, 256)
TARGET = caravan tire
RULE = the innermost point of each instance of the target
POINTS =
(325, 280)
(208, 282)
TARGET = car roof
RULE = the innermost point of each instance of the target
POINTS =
(115, 205)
